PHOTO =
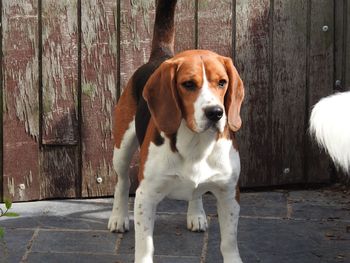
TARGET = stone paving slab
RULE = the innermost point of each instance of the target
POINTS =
(47, 257)
(264, 204)
(169, 239)
(95, 242)
(277, 226)
(39, 257)
(326, 204)
(14, 244)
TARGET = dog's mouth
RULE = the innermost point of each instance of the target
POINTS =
(215, 126)
(209, 125)
(205, 125)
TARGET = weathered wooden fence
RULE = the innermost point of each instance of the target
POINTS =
(65, 63)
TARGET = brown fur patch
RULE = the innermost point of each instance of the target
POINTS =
(225, 134)
(234, 141)
(152, 135)
(228, 134)
(238, 194)
(161, 97)
(124, 113)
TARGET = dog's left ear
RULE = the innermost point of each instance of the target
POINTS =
(234, 96)
(162, 99)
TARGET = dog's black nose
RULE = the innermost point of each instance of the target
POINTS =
(214, 113)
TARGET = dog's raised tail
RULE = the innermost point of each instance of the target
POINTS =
(164, 29)
(330, 126)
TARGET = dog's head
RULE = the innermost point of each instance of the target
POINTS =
(198, 86)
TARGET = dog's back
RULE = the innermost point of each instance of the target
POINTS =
(162, 49)
(330, 126)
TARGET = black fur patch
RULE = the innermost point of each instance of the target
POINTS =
(173, 142)
(142, 74)
(139, 80)
(158, 139)
(142, 118)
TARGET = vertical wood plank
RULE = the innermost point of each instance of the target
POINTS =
(136, 32)
(339, 43)
(99, 54)
(59, 157)
(321, 58)
(60, 71)
(253, 63)
(185, 25)
(58, 172)
(1, 112)
(288, 98)
(20, 99)
(215, 26)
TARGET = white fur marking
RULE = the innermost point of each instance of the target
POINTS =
(146, 202)
(330, 125)
(228, 212)
(119, 219)
(196, 218)
(206, 99)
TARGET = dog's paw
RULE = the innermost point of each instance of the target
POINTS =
(118, 223)
(197, 222)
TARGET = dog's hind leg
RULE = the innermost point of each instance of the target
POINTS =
(125, 146)
(196, 218)
(119, 220)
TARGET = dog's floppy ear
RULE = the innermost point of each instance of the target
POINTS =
(162, 99)
(234, 96)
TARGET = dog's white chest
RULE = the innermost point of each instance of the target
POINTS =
(191, 180)
(193, 170)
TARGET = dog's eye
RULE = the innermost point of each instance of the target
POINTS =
(222, 83)
(190, 85)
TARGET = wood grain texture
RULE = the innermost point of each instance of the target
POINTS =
(286, 67)
(59, 157)
(99, 78)
(20, 100)
(339, 43)
(136, 30)
(342, 68)
(215, 26)
(60, 72)
(288, 98)
(58, 172)
(185, 25)
(253, 63)
(321, 68)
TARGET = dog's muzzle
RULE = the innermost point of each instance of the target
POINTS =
(214, 113)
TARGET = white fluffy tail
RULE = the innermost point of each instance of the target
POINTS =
(330, 126)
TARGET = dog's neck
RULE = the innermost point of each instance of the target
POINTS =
(195, 146)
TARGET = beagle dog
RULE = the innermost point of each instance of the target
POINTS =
(183, 112)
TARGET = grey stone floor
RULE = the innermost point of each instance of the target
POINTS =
(277, 226)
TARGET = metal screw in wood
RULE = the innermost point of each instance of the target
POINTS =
(286, 171)
(99, 180)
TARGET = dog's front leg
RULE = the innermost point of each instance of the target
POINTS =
(228, 212)
(144, 214)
